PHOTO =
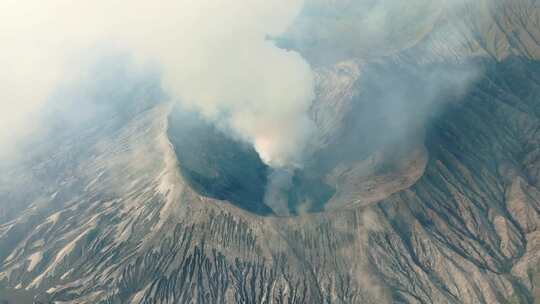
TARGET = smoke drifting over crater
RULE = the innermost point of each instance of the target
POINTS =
(219, 60)
(214, 56)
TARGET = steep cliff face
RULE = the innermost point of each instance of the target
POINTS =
(436, 205)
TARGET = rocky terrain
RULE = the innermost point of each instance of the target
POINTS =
(423, 185)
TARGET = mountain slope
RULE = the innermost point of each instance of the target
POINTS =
(435, 205)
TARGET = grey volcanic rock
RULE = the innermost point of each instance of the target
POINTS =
(439, 206)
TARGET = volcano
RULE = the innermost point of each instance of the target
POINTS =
(422, 184)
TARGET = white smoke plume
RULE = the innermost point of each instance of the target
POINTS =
(214, 56)
(277, 190)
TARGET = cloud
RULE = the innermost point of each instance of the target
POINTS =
(214, 57)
